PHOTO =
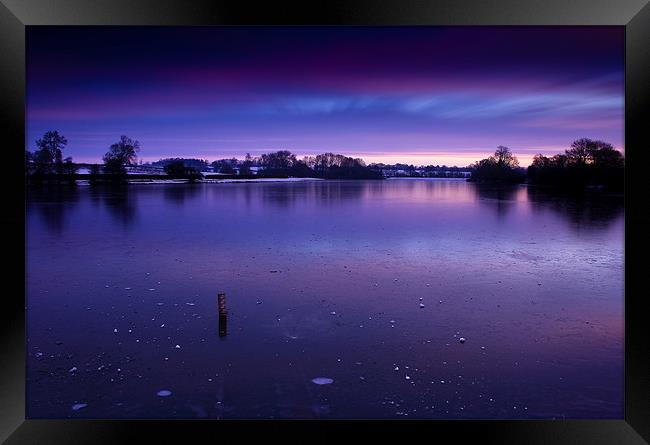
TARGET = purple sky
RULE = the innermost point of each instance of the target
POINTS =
(426, 95)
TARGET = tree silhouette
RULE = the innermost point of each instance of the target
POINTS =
(586, 163)
(504, 157)
(178, 169)
(122, 153)
(49, 152)
(245, 169)
(579, 151)
(503, 166)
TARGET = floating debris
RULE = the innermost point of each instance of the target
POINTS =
(115, 331)
(190, 304)
(322, 380)
(78, 406)
(259, 301)
(483, 348)
(39, 354)
(396, 368)
(421, 305)
(332, 313)
(177, 347)
(164, 393)
(127, 288)
(72, 370)
(462, 339)
(273, 271)
(151, 289)
(407, 377)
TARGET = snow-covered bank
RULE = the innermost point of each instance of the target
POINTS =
(262, 180)
(211, 181)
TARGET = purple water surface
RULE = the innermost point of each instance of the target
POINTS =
(324, 280)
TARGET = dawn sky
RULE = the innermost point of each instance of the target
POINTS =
(427, 95)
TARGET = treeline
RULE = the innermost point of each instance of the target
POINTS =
(426, 171)
(197, 164)
(586, 163)
(46, 164)
(503, 166)
(283, 163)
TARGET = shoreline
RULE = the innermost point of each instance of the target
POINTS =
(201, 181)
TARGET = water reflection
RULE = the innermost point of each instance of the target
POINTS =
(502, 198)
(322, 193)
(358, 278)
(53, 205)
(223, 325)
(592, 211)
(178, 193)
(583, 211)
(121, 202)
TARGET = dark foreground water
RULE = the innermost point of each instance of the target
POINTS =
(369, 284)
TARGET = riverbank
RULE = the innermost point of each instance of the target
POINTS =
(206, 181)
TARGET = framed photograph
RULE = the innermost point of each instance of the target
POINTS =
(236, 219)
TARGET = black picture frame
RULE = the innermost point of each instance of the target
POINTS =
(634, 15)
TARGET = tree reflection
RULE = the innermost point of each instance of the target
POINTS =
(120, 202)
(318, 192)
(53, 205)
(501, 197)
(585, 210)
(178, 193)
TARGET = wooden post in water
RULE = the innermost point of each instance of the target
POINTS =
(221, 302)
(223, 314)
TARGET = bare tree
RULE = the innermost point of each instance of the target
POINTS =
(49, 152)
(503, 156)
(122, 153)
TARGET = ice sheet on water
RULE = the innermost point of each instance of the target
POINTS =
(322, 380)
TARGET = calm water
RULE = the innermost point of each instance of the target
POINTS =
(324, 280)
